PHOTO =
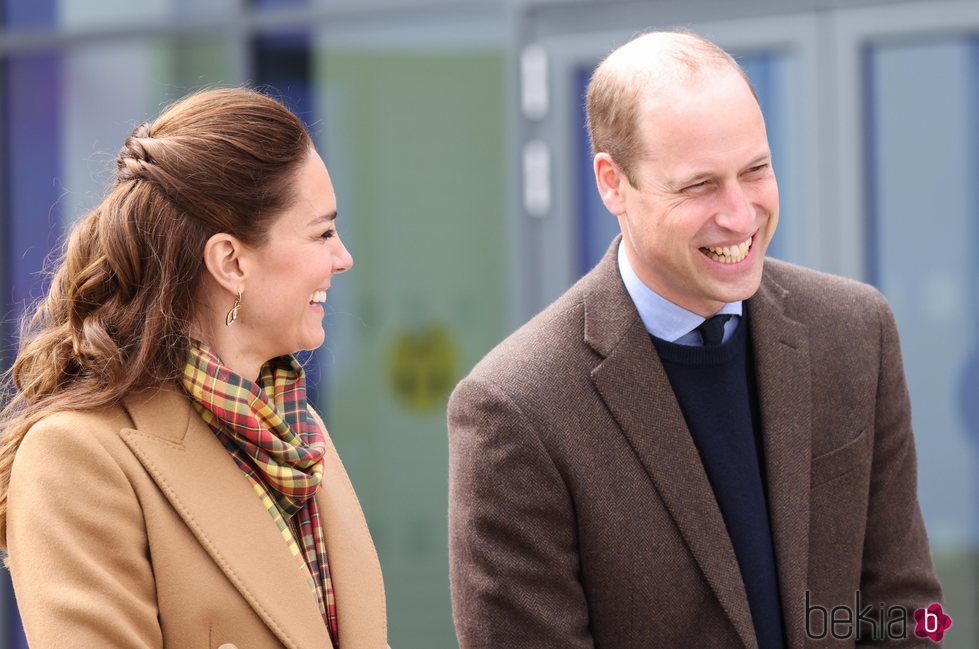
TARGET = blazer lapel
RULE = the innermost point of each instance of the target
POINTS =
(782, 369)
(634, 386)
(220, 507)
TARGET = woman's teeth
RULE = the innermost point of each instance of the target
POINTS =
(728, 254)
(318, 296)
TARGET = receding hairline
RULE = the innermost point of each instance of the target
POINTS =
(658, 59)
(650, 67)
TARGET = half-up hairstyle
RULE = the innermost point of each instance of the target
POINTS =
(117, 315)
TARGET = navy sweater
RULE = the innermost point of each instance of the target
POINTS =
(715, 388)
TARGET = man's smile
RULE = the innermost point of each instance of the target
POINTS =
(728, 254)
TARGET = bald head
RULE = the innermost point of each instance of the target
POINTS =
(649, 67)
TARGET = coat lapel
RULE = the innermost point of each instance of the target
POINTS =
(220, 507)
(634, 386)
(354, 567)
(782, 370)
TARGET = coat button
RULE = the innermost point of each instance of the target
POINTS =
(228, 645)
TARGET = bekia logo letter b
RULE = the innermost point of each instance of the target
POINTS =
(931, 622)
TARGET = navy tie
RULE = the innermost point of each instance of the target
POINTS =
(712, 329)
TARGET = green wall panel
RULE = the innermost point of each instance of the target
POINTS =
(415, 144)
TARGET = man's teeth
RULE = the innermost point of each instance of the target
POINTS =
(729, 254)
(318, 296)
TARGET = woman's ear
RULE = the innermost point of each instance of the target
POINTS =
(222, 257)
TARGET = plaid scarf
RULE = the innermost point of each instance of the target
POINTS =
(268, 430)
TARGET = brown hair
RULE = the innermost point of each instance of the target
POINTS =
(118, 311)
(614, 96)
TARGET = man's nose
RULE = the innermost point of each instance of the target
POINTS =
(736, 213)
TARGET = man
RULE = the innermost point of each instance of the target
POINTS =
(693, 447)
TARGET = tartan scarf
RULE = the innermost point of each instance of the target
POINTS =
(268, 430)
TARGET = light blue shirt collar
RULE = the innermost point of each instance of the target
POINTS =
(664, 319)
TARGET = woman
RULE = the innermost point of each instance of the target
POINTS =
(163, 482)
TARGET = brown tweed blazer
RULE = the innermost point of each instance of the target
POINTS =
(580, 514)
(133, 527)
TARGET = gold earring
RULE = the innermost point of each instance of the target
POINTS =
(233, 313)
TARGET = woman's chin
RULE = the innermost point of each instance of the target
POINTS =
(313, 342)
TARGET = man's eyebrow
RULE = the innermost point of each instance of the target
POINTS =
(693, 179)
(686, 181)
(761, 157)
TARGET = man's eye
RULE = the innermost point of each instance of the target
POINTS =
(695, 187)
(328, 234)
(757, 168)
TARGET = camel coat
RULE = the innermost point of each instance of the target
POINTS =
(133, 527)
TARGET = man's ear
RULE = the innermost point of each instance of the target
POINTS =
(222, 257)
(611, 183)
